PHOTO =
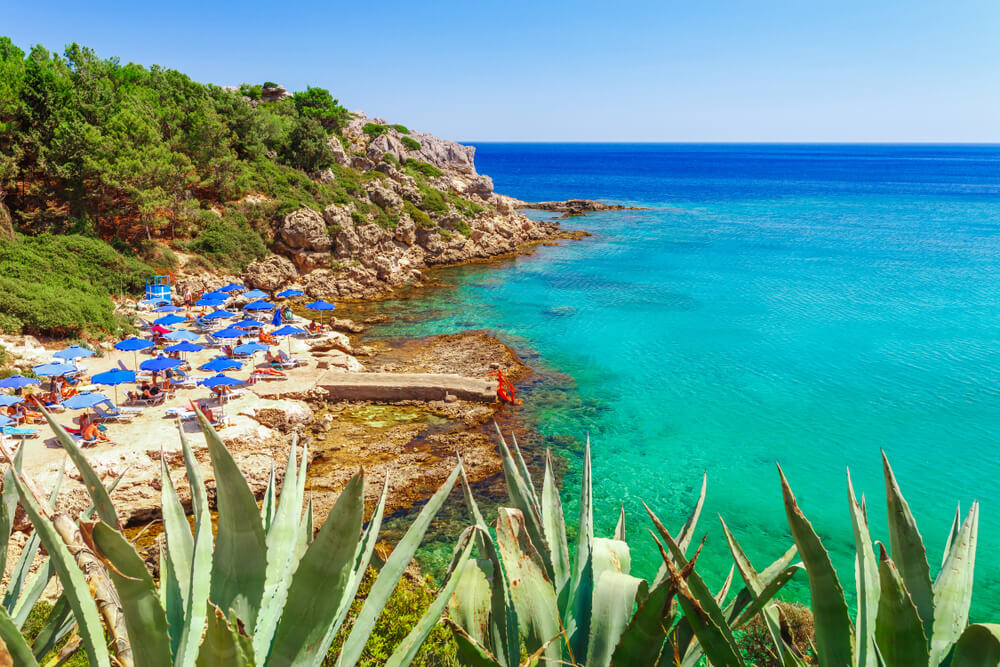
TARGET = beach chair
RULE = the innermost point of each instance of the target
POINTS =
(267, 375)
(19, 431)
(114, 413)
(284, 361)
(147, 402)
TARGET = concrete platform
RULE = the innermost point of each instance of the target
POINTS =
(405, 386)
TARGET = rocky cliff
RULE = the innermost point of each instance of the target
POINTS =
(417, 201)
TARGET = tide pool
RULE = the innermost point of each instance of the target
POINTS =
(802, 305)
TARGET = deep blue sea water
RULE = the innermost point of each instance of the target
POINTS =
(806, 305)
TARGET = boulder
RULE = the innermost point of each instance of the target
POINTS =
(340, 155)
(383, 196)
(270, 273)
(273, 93)
(304, 229)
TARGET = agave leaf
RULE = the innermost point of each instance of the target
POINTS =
(196, 609)
(407, 649)
(760, 593)
(267, 505)
(554, 526)
(899, 631)
(834, 634)
(532, 592)
(239, 560)
(281, 539)
(469, 607)
(694, 584)
(320, 582)
(392, 571)
(525, 474)
(224, 645)
(180, 542)
(75, 586)
(581, 587)
(714, 639)
(642, 638)
(362, 558)
(720, 597)
(620, 526)
(956, 523)
(687, 531)
(470, 500)
(12, 645)
(57, 625)
(23, 566)
(470, 652)
(866, 574)
(32, 592)
(979, 646)
(522, 496)
(615, 596)
(173, 604)
(305, 536)
(102, 501)
(145, 619)
(953, 589)
(908, 552)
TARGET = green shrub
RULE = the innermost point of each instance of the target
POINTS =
(402, 129)
(390, 158)
(445, 234)
(419, 169)
(374, 130)
(466, 207)
(61, 285)
(420, 218)
(253, 92)
(229, 242)
(462, 227)
(410, 143)
(757, 645)
(432, 200)
(10, 324)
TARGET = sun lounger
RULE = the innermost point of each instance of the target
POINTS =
(183, 413)
(114, 413)
(19, 432)
(258, 376)
(284, 361)
(155, 400)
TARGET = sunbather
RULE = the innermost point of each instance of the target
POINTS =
(91, 433)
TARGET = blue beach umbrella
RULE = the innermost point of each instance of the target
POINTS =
(231, 287)
(255, 294)
(250, 348)
(167, 309)
(169, 320)
(249, 323)
(6, 400)
(320, 305)
(84, 401)
(289, 293)
(53, 369)
(220, 380)
(289, 330)
(158, 364)
(206, 301)
(185, 346)
(229, 332)
(18, 382)
(73, 352)
(220, 364)
(220, 315)
(114, 378)
(258, 305)
(181, 334)
(134, 344)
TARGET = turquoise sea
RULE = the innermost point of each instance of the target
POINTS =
(805, 305)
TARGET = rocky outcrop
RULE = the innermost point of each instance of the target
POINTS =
(273, 93)
(271, 273)
(23, 352)
(575, 207)
(376, 241)
(6, 224)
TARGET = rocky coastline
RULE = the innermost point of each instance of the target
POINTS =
(571, 208)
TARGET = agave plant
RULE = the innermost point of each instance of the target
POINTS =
(592, 611)
(264, 591)
(902, 617)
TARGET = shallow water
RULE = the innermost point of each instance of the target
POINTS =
(792, 304)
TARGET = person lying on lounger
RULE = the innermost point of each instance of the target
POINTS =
(91, 433)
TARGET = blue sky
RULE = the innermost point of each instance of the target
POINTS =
(716, 70)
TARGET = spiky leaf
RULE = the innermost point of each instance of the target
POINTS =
(953, 589)
(868, 587)
(899, 630)
(834, 633)
(979, 646)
